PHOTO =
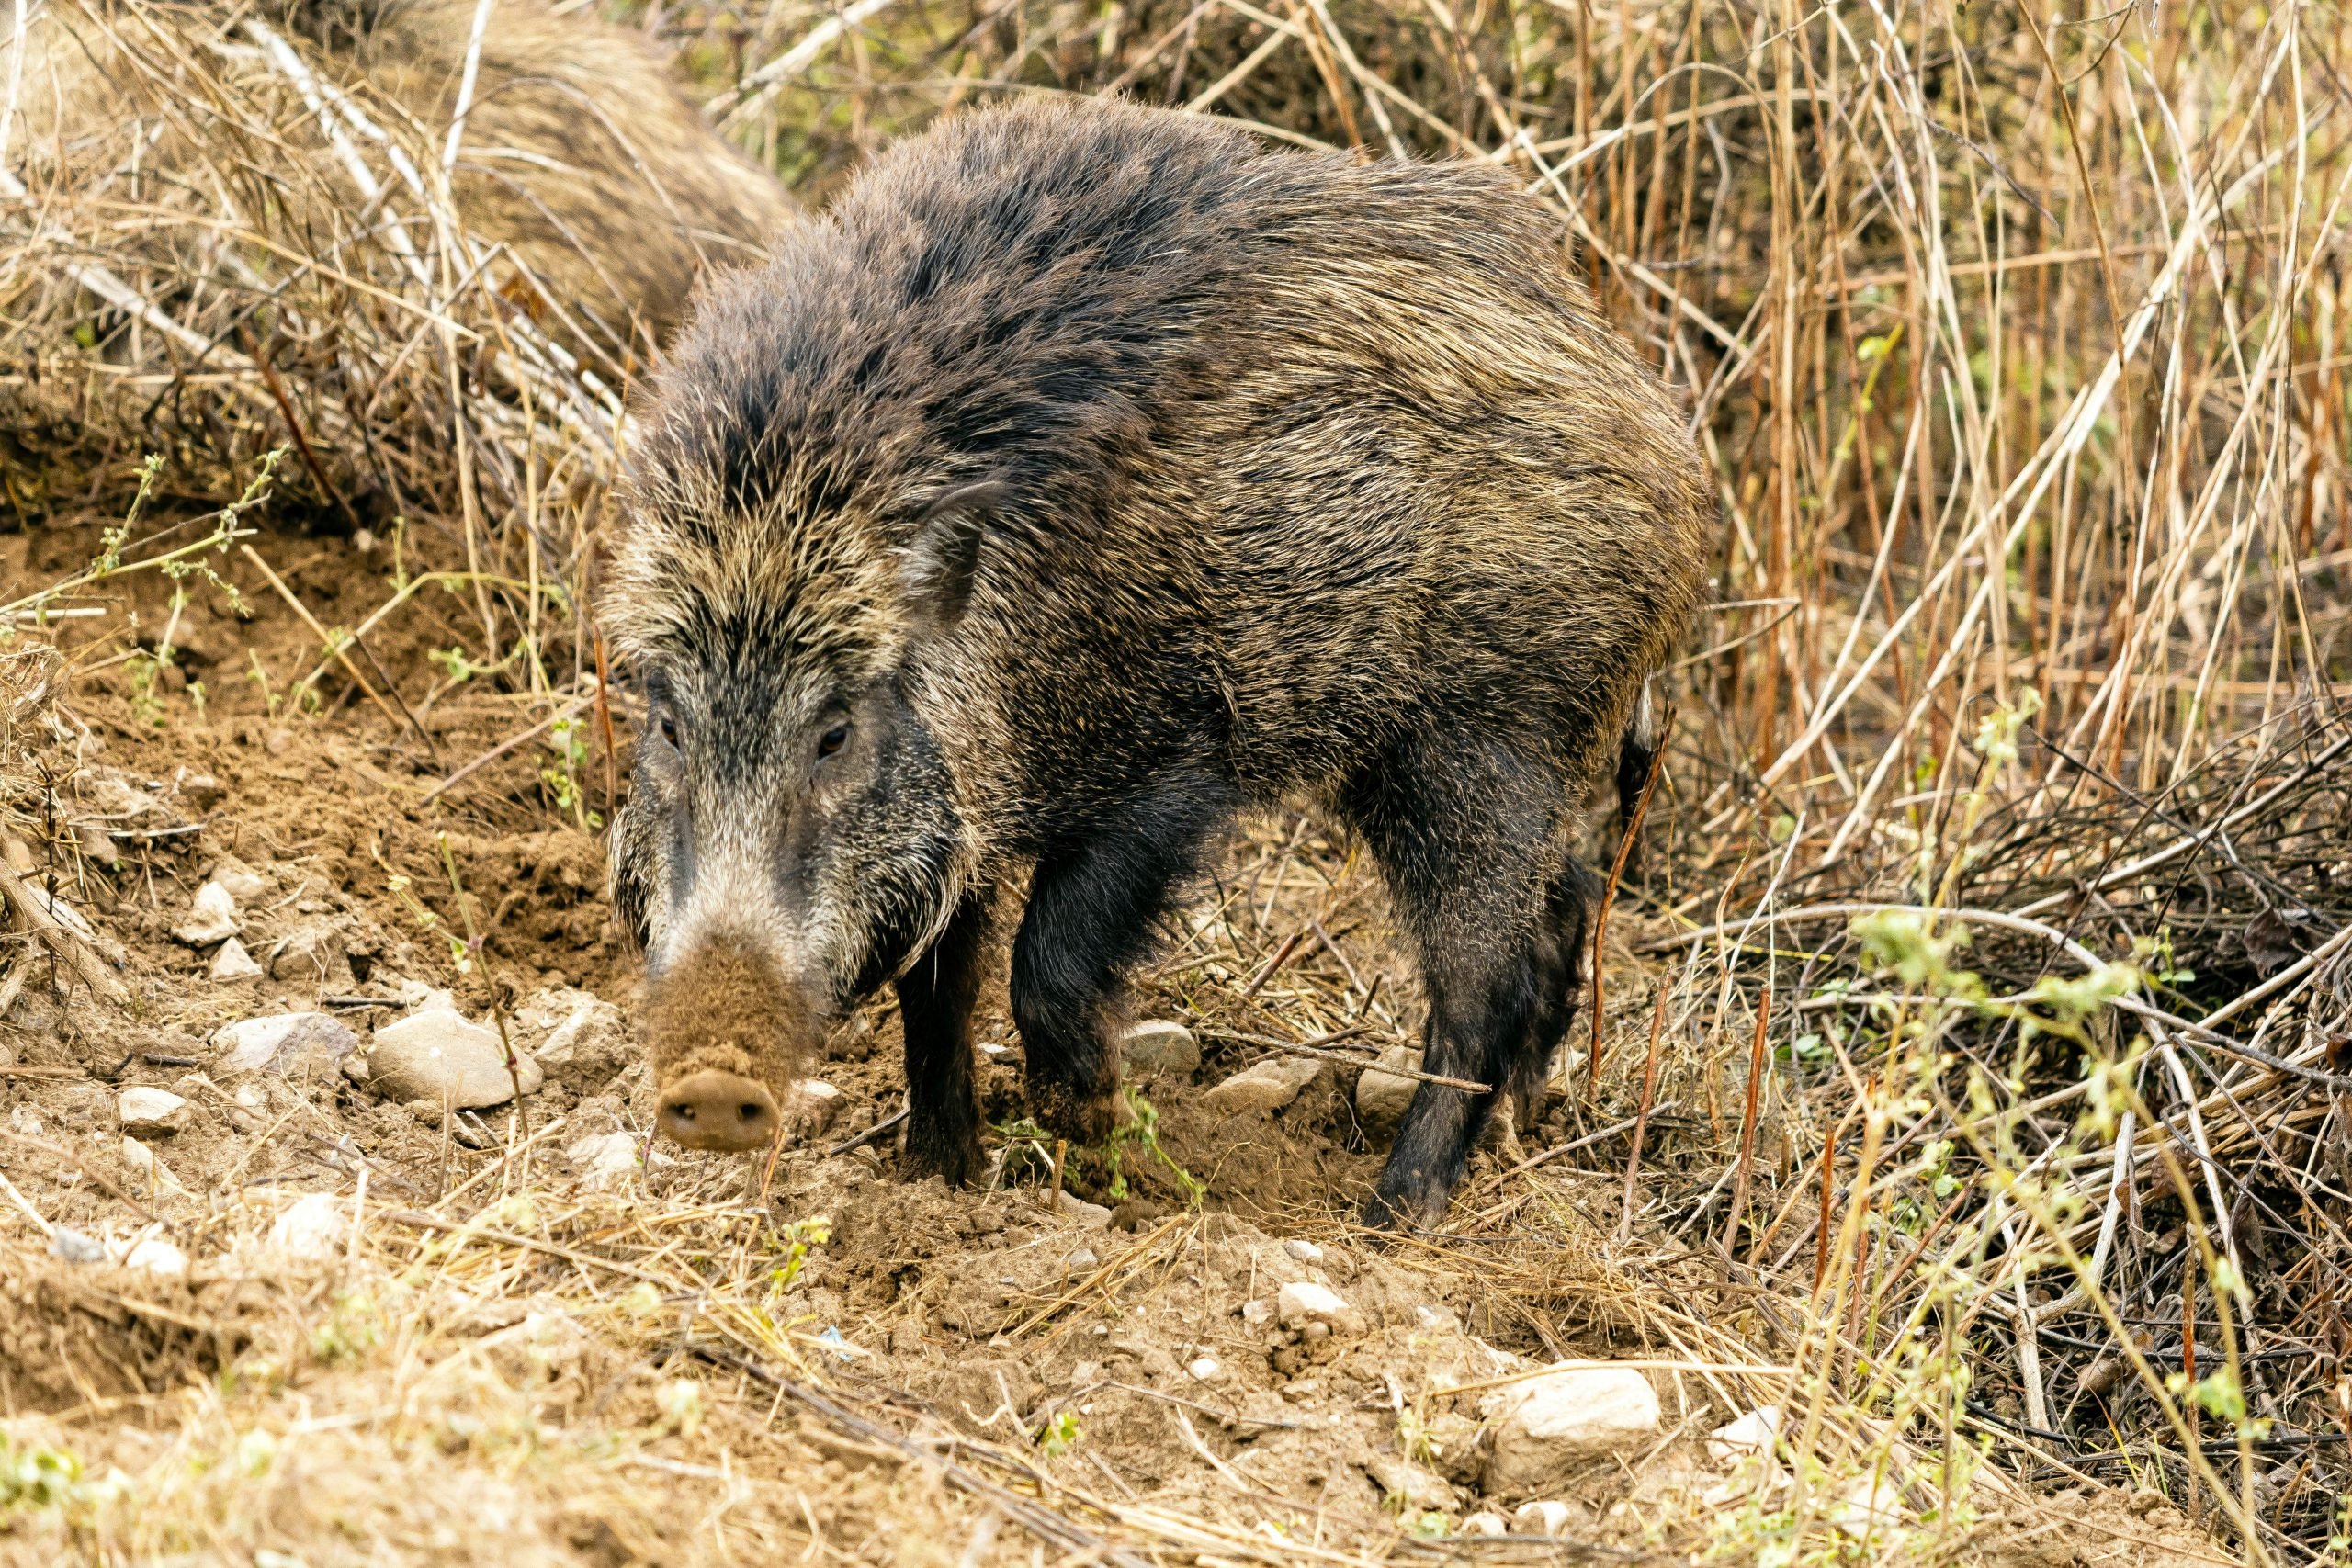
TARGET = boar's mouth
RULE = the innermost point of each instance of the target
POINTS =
(725, 1033)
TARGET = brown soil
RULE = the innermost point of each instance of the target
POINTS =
(431, 1396)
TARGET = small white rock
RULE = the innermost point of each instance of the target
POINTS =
(234, 963)
(605, 1160)
(146, 1168)
(1401, 1479)
(1159, 1048)
(314, 1227)
(155, 1256)
(428, 1055)
(243, 882)
(285, 1043)
(1548, 1516)
(151, 1112)
(211, 917)
(1081, 1261)
(1556, 1423)
(1305, 1251)
(1303, 1304)
(1485, 1523)
(1257, 1313)
(814, 1104)
(1264, 1089)
(1752, 1433)
(1204, 1369)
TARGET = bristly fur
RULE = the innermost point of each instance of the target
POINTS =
(1299, 477)
(723, 1007)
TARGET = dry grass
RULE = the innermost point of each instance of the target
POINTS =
(1996, 918)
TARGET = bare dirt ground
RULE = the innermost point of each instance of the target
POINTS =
(310, 1323)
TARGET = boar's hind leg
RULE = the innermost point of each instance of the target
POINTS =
(935, 997)
(1089, 919)
(1464, 836)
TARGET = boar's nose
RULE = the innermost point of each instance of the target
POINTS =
(712, 1109)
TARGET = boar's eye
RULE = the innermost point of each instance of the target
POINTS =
(670, 731)
(832, 741)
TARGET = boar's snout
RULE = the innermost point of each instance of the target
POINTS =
(727, 1033)
(714, 1110)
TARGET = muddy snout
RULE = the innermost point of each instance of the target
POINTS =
(726, 1034)
(715, 1110)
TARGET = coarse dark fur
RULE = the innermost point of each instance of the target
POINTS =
(1088, 475)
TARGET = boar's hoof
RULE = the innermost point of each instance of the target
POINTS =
(711, 1109)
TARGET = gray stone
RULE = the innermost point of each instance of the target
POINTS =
(1484, 1522)
(1548, 1516)
(311, 953)
(439, 1055)
(1089, 1216)
(234, 963)
(1554, 1425)
(151, 1112)
(1400, 1479)
(580, 1038)
(70, 1245)
(211, 917)
(1381, 1097)
(1158, 1049)
(812, 1105)
(286, 1043)
(1264, 1089)
(1305, 1251)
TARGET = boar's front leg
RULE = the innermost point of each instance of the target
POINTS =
(935, 997)
(1089, 921)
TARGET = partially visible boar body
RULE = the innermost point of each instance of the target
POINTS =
(584, 168)
(1089, 475)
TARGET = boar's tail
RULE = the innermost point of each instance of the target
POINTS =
(1637, 753)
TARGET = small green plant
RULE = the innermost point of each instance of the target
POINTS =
(353, 1328)
(1142, 1131)
(1059, 1436)
(568, 740)
(37, 1476)
(793, 1242)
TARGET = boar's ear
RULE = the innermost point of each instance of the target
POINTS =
(945, 555)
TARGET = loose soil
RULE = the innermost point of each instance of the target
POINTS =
(503, 1355)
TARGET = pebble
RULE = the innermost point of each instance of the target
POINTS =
(1159, 1048)
(70, 1245)
(1485, 1523)
(154, 1254)
(211, 917)
(1305, 1251)
(1382, 1096)
(1751, 1434)
(286, 1043)
(1303, 1304)
(146, 1168)
(814, 1104)
(1258, 1313)
(1547, 1517)
(201, 791)
(151, 1112)
(1554, 1424)
(1204, 1369)
(1399, 1478)
(1082, 1261)
(586, 1040)
(606, 1160)
(1264, 1089)
(1089, 1216)
(437, 1054)
(313, 953)
(244, 883)
(234, 963)
(314, 1227)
